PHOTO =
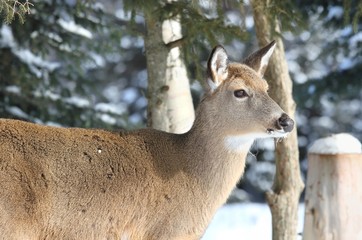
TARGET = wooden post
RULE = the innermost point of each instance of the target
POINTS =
(333, 201)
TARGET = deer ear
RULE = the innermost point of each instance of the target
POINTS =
(259, 60)
(217, 67)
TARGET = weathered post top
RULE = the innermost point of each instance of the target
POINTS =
(336, 144)
(333, 209)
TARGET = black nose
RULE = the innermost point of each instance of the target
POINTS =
(286, 123)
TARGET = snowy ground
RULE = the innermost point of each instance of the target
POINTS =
(245, 221)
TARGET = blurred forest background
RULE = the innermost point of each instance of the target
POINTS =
(82, 64)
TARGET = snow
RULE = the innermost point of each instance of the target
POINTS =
(7, 38)
(36, 63)
(17, 112)
(336, 144)
(126, 16)
(77, 101)
(335, 12)
(72, 27)
(355, 40)
(260, 175)
(111, 108)
(13, 89)
(130, 95)
(106, 118)
(249, 22)
(96, 62)
(245, 221)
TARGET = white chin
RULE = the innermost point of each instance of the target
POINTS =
(277, 133)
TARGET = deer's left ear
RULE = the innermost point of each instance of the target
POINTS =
(259, 60)
(217, 67)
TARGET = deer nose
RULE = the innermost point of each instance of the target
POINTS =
(286, 123)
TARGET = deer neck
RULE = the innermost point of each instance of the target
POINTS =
(215, 158)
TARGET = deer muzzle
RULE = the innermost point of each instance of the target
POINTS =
(285, 123)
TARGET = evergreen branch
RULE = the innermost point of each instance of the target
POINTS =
(13, 8)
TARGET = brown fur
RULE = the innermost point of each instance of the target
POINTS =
(70, 183)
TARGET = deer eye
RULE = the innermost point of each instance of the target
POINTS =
(241, 93)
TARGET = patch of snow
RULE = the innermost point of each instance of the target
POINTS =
(347, 31)
(122, 14)
(72, 27)
(261, 175)
(336, 144)
(249, 22)
(71, 3)
(55, 37)
(232, 18)
(107, 118)
(334, 12)
(313, 52)
(98, 61)
(142, 78)
(126, 42)
(324, 122)
(302, 141)
(17, 112)
(34, 34)
(245, 221)
(7, 37)
(346, 63)
(355, 39)
(47, 94)
(110, 108)
(25, 55)
(112, 93)
(53, 124)
(65, 47)
(135, 119)
(77, 101)
(33, 61)
(265, 143)
(13, 89)
(311, 89)
(358, 125)
(141, 102)
(129, 95)
(304, 36)
(126, 16)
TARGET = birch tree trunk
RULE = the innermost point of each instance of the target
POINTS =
(170, 106)
(284, 197)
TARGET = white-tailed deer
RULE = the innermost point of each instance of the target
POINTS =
(68, 183)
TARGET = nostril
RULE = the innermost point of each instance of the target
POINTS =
(286, 123)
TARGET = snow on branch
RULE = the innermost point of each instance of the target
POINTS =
(72, 27)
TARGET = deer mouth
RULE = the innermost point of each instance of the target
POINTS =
(276, 133)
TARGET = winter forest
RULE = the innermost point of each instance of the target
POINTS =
(94, 64)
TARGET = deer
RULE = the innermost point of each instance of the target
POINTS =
(144, 184)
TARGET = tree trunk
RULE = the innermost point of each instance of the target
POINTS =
(284, 198)
(170, 106)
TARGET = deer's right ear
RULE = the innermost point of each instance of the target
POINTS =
(217, 67)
